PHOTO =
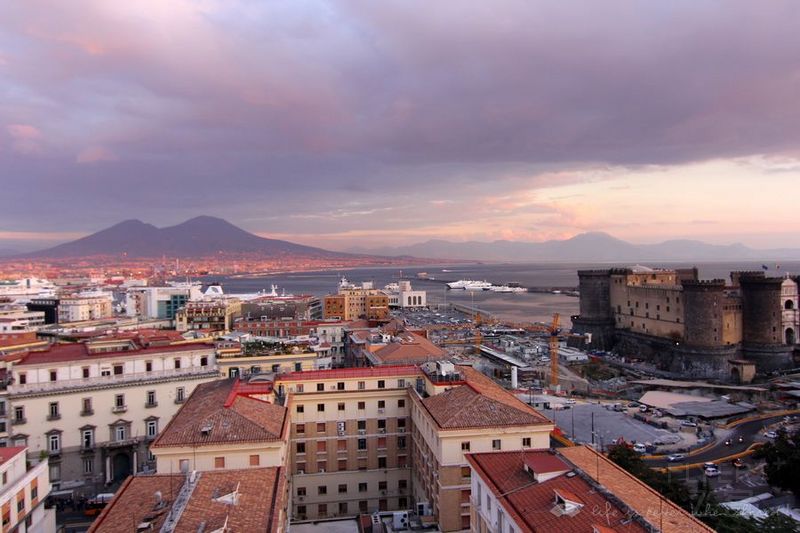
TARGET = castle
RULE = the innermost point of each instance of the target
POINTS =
(692, 327)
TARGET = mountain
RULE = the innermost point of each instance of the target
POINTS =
(202, 236)
(585, 247)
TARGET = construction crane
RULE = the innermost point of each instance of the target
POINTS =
(553, 329)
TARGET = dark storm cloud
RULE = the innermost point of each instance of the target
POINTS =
(252, 110)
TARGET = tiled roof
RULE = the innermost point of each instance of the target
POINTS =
(257, 508)
(349, 373)
(62, 353)
(669, 517)
(464, 407)
(205, 419)
(411, 348)
(10, 452)
(530, 504)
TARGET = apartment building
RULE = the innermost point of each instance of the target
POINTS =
(23, 491)
(569, 489)
(160, 302)
(243, 359)
(327, 332)
(93, 408)
(389, 346)
(352, 303)
(82, 308)
(211, 315)
(17, 319)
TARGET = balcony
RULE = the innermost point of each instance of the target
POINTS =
(87, 412)
(180, 400)
(18, 421)
(119, 379)
(51, 416)
(119, 408)
(150, 405)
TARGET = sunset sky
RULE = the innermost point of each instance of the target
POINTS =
(363, 122)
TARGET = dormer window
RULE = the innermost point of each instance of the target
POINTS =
(566, 503)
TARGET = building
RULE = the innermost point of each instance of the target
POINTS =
(546, 490)
(23, 493)
(19, 320)
(327, 332)
(691, 327)
(227, 424)
(225, 500)
(212, 315)
(256, 357)
(387, 346)
(93, 408)
(352, 303)
(402, 296)
(160, 302)
(282, 307)
(49, 306)
(93, 306)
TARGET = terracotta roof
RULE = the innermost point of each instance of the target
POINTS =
(530, 504)
(62, 353)
(258, 504)
(204, 419)
(669, 517)
(410, 348)
(10, 452)
(464, 407)
(349, 373)
(489, 388)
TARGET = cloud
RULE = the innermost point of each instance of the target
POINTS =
(26, 139)
(93, 154)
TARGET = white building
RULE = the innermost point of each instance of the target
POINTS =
(93, 408)
(23, 493)
(403, 296)
(160, 302)
(79, 308)
(19, 320)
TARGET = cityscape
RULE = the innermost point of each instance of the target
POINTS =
(380, 267)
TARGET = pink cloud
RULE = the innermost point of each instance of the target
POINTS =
(93, 154)
(26, 139)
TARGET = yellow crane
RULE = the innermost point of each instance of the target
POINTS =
(553, 329)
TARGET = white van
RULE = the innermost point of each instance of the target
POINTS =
(639, 447)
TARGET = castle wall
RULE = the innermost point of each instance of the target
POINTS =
(703, 302)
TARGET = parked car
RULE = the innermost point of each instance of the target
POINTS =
(712, 472)
(571, 401)
(639, 447)
(688, 424)
(771, 435)
(633, 404)
(676, 457)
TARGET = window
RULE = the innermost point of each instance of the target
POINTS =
(21, 505)
(466, 472)
(402, 484)
(219, 462)
(183, 465)
(120, 433)
(180, 394)
(381, 462)
(300, 428)
(151, 427)
(341, 445)
(363, 506)
(381, 404)
(340, 406)
(401, 442)
(54, 414)
(342, 508)
(362, 424)
(301, 408)
(322, 446)
(301, 491)
(23, 378)
(118, 370)
(342, 464)
(53, 375)
(86, 372)
(87, 406)
(34, 493)
(148, 366)
(401, 423)
(362, 385)
(340, 385)
(496, 444)
(362, 487)
(87, 439)
(19, 414)
(322, 490)
(362, 405)
(381, 384)
(204, 361)
(299, 387)
(177, 363)
(381, 485)
(55, 472)
(322, 510)
(301, 447)
(320, 387)
(320, 407)
(382, 423)
(88, 465)
(255, 460)
(343, 488)
(54, 443)
(401, 404)
(119, 401)
(362, 444)
(320, 427)
(297, 368)
(526, 442)
(401, 383)
(151, 398)
(105, 372)
(465, 446)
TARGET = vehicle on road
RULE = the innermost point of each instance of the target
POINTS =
(571, 401)
(738, 463)
(643, 408)
(633, 404)
(727, 442)
(712, 472)
(688, 424)
(710, 465)
(639, 447)
(676, 457)
(771, 435)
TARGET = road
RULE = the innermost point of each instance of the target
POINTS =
(749, 431)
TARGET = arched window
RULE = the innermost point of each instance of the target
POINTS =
(790, 337)
(789, 304)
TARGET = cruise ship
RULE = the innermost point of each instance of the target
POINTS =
(507, 288)
(470, 285)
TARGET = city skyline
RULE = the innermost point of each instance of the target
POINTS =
(363, 124)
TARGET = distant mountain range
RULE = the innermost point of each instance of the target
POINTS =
(202, 236)
(586, 247)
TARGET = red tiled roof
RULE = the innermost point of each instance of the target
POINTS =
(10, 452)
(543, 463)
(411, 348)
(258, 505)
(463, 407)
(487, 387)
(244, 420)
(348, 373)
(530, 504)
(62, 353)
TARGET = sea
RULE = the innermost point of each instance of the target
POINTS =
(517, 307)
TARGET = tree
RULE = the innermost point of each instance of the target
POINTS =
(783, 461)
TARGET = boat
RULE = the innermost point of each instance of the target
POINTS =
(507, 289)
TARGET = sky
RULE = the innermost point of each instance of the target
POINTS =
(359, 123)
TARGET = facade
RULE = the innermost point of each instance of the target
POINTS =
(23, 492)
(212, 315)
(20, 321)
(402, 296)
(327, 332)
(375, 347)
(689, 326)
(276, 307)
(352, 303)
(93, 408)
(49, 306)
(160, 302)
(83, 308)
